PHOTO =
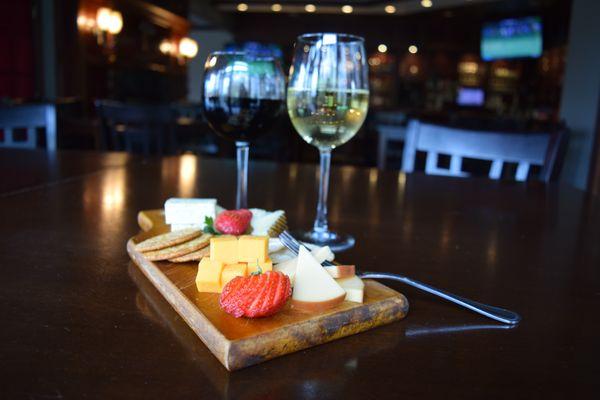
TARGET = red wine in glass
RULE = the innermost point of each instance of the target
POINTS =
(243, 96)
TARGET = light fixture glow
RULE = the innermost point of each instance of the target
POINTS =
(242, 7)
(188, 47)
(166, 47)
(412, 49)
(276, 7)
(347, 9)
(103, 18)
(382, 48)
(426, 3)
(310, 8)
(413, 69)
(115, 22)
(390, 9)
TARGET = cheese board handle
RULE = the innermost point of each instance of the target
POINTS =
(495, 313)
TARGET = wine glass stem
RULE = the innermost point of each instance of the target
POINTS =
(241, 199)
(320, 225)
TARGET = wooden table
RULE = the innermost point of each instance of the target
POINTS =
(28, 169)
(80, 321)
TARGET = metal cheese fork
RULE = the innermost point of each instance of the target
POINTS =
(495, 313)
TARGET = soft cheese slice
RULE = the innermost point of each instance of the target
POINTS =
(270, 223)
(354, 287)
(189, 211)
(289, 267)
(341, 271)
(314, 290)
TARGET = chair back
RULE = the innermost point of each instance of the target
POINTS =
(522, 149)
(123, 125)
(29, 118)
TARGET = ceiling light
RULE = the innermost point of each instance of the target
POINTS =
(426, 3)
(382, 48)
(310, 8)
(347, 9)
(242, 7)
(390, 9)
(276, 7)
(413, 49)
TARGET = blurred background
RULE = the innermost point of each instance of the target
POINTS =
(127, 75)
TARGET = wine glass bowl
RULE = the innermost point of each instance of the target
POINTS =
(243, 96)
(327, 100)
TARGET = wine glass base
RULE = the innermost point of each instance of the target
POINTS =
(337, 242)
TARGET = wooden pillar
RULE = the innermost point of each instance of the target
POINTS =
(581, 91)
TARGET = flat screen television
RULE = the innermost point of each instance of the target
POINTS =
(470, 97)
(512, 38)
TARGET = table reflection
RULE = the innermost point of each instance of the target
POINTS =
(187, 175)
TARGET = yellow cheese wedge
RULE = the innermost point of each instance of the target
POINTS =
(231, 271)
(252, 248)
(208, 278)
(265, 266)
(224, 248)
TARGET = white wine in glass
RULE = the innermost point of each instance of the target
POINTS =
(327, 100)
(337, 117)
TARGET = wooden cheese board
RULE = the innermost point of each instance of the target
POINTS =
(241, 342)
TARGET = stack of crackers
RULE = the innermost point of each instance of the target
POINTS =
(178, 246)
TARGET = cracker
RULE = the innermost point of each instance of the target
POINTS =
(168, 239)
(193, 256)
(180, 249)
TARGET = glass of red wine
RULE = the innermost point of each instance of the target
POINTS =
(243, 96)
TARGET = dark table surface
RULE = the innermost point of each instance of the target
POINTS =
(29, 169)
(79, 320)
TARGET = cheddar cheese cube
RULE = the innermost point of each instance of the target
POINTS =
(224, 248)
(231, 271)
(252, 248)
(265, 266)
(208, 278)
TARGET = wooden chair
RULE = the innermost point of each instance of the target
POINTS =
(524, 149)
(29, 117)
(128, 126)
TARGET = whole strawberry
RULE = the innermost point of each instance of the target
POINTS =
(256, 296)
(233, 222)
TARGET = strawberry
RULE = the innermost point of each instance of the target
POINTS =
(257, 295)
(233, 222)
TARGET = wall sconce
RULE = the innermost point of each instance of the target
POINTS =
(186, 48)
(167, 47)
(106, 23)
(108, 20)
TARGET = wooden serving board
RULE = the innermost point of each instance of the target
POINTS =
(241, 342)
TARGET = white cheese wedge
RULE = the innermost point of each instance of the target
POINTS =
(180, 227)
(354, 287)
(289, 267)
(314, 290)
(180, 211)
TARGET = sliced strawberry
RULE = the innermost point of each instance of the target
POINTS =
(256, 296)
(233, 222)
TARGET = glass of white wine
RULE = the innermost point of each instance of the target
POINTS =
(327, 100)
